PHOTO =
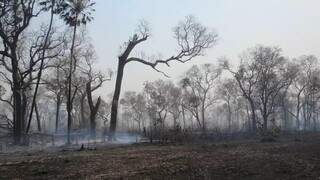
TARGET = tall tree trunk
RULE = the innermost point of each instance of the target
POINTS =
(198, 119)
(115, 100)
(17, 101)
(249, 119)
(38, 117)
(41, 66)
(265, 122)
(229, 117)
(69, 101)
(203, 118)
(24, 107)
(298, 113)
(265, 118)
(82, 113)
(253, 117)
(139, 126)
(58, 112)
(183, 118)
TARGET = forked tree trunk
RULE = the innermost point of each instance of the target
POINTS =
(93, 110)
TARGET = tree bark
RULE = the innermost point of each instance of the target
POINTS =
(203, 118)
(115, 100)
(83, 122)
(229, 116)
(17, 99)
(58, 112)
(253, 116)
(93, 110)
(69, 101)
(38, 117)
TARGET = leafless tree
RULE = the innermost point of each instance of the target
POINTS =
(95, 81)
(199, 83)
(192, 37)
(21, 54)
(304, 68)
(261, 77)
(55, 83)
(135, 105)
(247, 79)
(229, 92)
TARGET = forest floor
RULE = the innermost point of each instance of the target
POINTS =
(225, 160)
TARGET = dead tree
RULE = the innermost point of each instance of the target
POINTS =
(199, 82)
(193, 38)
(94, 80)
(15, 18)
(228, 92)
(247, 79)
(93, 110)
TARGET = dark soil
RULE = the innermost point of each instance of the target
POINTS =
(233, 160)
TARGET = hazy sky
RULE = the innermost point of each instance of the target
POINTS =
(293, 25)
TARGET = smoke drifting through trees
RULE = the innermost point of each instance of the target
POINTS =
(52, 72)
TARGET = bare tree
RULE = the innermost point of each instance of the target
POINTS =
(261, 77)
(247, 79)
(55, 84)
(199, 82)
(273, 77)
(175, 99)
(304, 68)
(94, 108)
(15, 17)
(21, 54)
(135, 105)
(228, 92)
(192, 38)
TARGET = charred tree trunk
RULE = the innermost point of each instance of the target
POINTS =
(70, 99)
(183, 118)
(298, 112)
(93, 110)
(38, 117)
(82, 113)
(253, 117)
(115, 100)
(229, 117)
(203, 118)
(58, 103)
(17, 99)
(24, 106)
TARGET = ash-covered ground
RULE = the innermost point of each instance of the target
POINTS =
(245, 159)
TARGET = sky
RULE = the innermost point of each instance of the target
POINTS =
(293, 25)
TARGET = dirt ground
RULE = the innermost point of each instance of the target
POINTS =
(232, 160)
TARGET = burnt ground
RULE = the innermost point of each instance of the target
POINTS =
(229, 160)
